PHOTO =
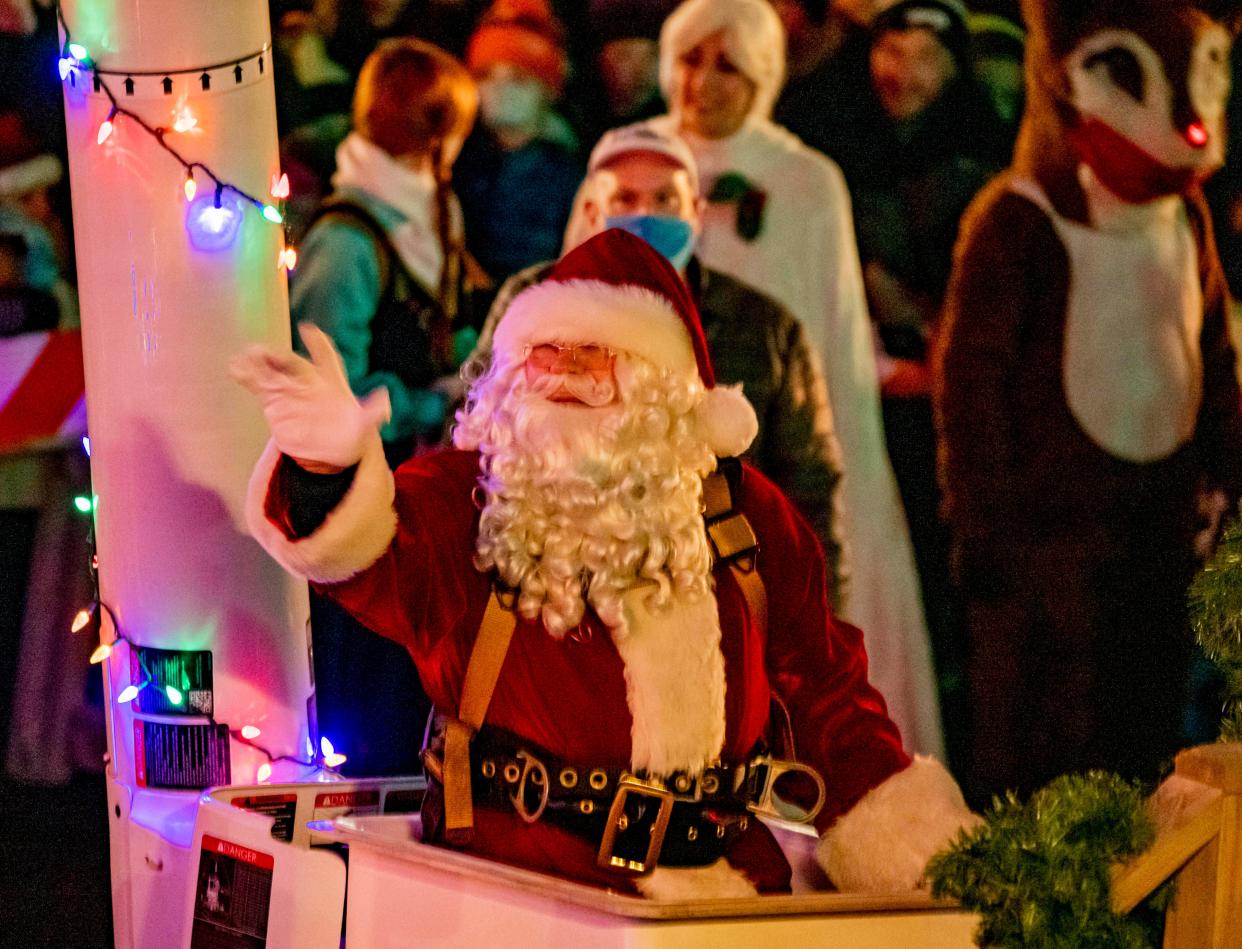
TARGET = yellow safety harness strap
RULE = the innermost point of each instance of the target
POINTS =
(733, 540)
(482, 671)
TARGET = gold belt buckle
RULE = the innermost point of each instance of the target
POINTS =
(627, 785)
(776, 768)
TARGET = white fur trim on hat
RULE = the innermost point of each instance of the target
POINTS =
(352, 537)
(674, 682)
(622, 317)
(754, 39)
(629, 319)
(882, 844)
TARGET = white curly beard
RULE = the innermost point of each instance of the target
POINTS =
(583, 504)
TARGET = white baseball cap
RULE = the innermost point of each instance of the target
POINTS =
(643, 137)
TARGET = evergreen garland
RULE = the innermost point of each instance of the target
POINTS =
(1039, 873)
(1216, 611)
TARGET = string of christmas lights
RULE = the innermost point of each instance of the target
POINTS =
(328, 757)
(212, 219)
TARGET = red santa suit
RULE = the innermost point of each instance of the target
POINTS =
(676, 689)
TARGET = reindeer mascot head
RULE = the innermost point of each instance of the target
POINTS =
(1086, 396)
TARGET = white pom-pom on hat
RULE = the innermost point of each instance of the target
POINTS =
(726, 420)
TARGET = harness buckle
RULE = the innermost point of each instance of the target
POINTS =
(533, 770)
(627, 786)
(765, 802)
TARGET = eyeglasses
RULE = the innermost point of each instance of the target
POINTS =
(589, 358)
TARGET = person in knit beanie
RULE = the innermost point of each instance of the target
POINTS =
(941, 141)
(567, 531)
(518, 173)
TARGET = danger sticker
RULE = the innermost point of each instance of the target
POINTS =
(233, 897)
(282, 808)
(339, 803)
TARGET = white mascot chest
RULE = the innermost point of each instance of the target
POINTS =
(1132, 364)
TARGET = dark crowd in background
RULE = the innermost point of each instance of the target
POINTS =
(917, 121)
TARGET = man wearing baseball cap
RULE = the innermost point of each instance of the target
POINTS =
(645, 181)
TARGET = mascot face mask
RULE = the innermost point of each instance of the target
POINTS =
(1150, 103)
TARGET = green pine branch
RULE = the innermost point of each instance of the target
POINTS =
(1039, 873)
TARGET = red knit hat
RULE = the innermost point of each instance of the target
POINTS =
(522, 33)
(615, 290)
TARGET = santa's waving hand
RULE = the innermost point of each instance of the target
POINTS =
(313, 416)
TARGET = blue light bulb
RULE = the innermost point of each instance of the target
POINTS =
(213, 226)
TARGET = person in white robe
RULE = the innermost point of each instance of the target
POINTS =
(779, 218)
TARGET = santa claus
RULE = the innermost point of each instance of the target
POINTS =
(601, 607)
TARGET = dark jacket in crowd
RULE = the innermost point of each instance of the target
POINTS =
(516, 204)
(911, 182)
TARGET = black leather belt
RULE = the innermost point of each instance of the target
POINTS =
(681, 820)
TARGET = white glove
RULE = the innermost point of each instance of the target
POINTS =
(313, 416)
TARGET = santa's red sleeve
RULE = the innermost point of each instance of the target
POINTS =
(885, 814)
(380, 552)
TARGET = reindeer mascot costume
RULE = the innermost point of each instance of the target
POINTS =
(1086, 395)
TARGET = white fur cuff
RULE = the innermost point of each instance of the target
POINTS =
(622, 317)
(352, 536)
(883, 843)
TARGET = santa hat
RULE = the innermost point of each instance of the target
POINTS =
(615, 290)
(753, 37)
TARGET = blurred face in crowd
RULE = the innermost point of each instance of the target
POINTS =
(512, 100)
(711, 95)
(642, 183)
(630, 70)
(909, 70)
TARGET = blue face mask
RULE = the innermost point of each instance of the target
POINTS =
(671, 236)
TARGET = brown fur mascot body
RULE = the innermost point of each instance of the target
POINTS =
(1086, 395)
